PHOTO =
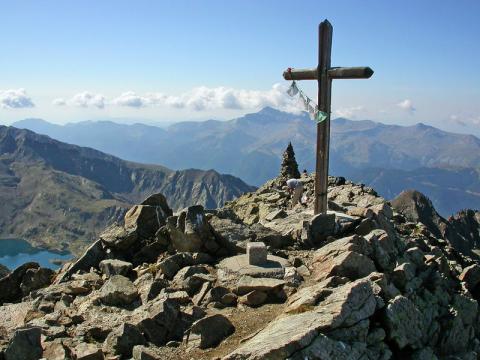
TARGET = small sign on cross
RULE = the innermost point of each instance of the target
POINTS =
(324, 74)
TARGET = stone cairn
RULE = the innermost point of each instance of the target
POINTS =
(289, 167)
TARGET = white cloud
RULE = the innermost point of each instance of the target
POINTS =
(87, 99)
(407, 105)
(84, 99)
(205, 98)
(59, 102)
(15, 99)
(131, 99)
(349, 113)
(465, 120)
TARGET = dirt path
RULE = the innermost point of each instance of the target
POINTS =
(247, 321)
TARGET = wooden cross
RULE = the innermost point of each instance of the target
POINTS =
(324, 74)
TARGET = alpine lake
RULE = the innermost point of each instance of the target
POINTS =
(15, 252)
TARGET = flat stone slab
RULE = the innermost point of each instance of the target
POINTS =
(236, 266)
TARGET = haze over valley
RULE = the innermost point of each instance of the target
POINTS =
(391, 158)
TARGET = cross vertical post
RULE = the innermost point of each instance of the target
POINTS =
(324, 74)
(325, 31)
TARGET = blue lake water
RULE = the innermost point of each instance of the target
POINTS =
(15, 252)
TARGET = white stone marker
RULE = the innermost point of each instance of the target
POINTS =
(256, 253)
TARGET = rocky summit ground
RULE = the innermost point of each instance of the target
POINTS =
(361, 282)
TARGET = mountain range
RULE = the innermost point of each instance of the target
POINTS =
(59, 195)
(391, 158)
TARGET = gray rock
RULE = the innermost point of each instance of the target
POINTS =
(466, 308)
(454, 337)
(122, 340)
(118, 291)
(318, 229)
(271, 237)
(416, 256)
(172, 264)
(10, 290)
(253, 298)
(236, 233)
(348, 264)
(188, 271)
(356, 333)
(144, 220)
(112, 267)
(404, 323)
(471, 276)
(202, 336)
(402, 274)
(217, 292)
(308, 297)
(229, 299)
(193, 233)
(201, 295)
(118, 238)
(276, 214)
(417, 207)
(193, 283)
(292, 277)
(303, 271)
(181, 297)
(141, 352)
(158, 200)
(54, 350)
(90, 258)
(150, 252)
(365, 227)
(345, 224)
(35, 279)
(25, 345)
(322, 347)
(157, 320)
(354, 243)
(384, 250)
(247, 284)
(149, 287)
(87, 351)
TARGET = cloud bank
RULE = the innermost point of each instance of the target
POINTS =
(198, 99)
(84, 99)
(205, 98)
(15, 99)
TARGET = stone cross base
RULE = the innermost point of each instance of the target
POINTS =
(256, 253)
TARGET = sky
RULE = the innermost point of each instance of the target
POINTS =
(164, 61)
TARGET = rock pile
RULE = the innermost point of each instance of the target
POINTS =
(289, 167)
(361, 282)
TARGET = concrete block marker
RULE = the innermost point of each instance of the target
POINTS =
(257, 253)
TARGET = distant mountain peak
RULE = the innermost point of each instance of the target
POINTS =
(269, 110)
(30, 122)
(421, 125)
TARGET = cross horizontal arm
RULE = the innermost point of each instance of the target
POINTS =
(361, 72)
(300, 74)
